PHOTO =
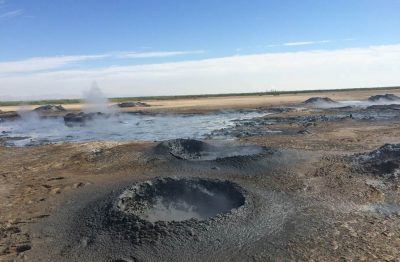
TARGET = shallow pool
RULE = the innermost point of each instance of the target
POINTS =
(32, 130)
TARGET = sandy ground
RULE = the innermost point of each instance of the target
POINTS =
(332, 220)
(231, 102)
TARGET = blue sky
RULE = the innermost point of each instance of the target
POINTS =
(75, 38)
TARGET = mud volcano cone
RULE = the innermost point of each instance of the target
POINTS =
(384, 161)
(188, 149)
(319, 100)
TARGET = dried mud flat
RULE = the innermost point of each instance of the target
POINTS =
(325, 186)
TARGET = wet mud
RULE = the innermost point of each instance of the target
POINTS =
(196, 150)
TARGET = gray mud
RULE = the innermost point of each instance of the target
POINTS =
(319, 100)
(50, 109)
(383, 162)
(171, 199)
(132, 104)
(227, 207)
(90, 229)
(196, 150)
(384, 98)
(224, 215)
(272, 124)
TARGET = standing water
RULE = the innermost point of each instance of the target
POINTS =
(32, 130)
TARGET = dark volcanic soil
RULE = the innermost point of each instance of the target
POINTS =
(319, 100)
(384, 98)
(96, 225)
(50, 109)
(384, 161)
(191, 149)
(172, 199)
(132, 104)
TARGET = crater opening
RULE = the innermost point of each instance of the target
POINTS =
(179, 199)
(191, 149)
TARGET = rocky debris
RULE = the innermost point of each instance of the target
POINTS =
(277, 110)
(304, 132)
(383, 98)
(242, 132)
(342, 108)
(50, 109)
(9, 116)
(260, 126)
(80, 119)
(132, 104)
(267, 126)
(384, 161)
(319, 100)
(384, 107)
(23, 248)
(9, 233)
(10, 141)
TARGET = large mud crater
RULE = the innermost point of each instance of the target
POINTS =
(180, 199)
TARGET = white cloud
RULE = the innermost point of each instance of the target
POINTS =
(298, 43)
(306, 43)
(11, 14)
(42, 63)
(50, 63)
(320, 69)
(158, 54)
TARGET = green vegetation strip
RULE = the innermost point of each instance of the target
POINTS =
(147, 98)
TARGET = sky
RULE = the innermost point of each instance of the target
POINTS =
(56, 49)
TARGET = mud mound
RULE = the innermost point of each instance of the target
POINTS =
(132, 104)
(201, 215)
(384, 98)
(80, 119)
(188, 149)
(319, 100)
(9, 116)
(385, 161)
(50, 109)
(169, 199)
(191, 149)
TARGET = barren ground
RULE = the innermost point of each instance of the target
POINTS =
(307, 202)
